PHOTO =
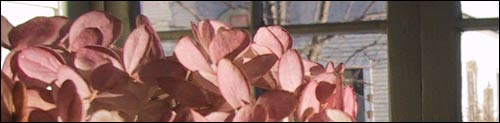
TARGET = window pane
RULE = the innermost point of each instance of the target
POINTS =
(18, 13)
(312, 12)
(480, 60)
(480, 9)
(177, 15)
(365, 56)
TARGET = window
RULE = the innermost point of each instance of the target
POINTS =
(18, 12)
(480, 50)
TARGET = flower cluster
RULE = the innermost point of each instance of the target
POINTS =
(63, 70)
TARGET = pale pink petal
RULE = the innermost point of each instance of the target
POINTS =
(37, 66)
(266, 38)
(197, 117)
(338, 116)
(89, 36)
(235, 89)
(190, 56)
(290, 71)
(109, 26)
(350, 102)
(308, 101)
(282, 35)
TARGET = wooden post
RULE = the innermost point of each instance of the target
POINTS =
(404, 52)
(424, 61)
(441, 63)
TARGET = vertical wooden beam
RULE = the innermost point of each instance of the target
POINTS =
(441, 63)
(120, 9)
(404, 61)
(134, 11)
(256, 20)
(76, 8)
(97, 5)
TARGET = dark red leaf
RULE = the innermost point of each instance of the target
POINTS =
(20, 100)
(6, 27)
(279, 104)
(184, 92)
(37, 31)
(258, 66)
(69, 103)
(228, 44)
(39, 115)
(324, 91)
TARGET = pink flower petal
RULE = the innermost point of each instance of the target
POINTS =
(197, 117)
(282, 35)
(338, 116)
(266, 38)
(350, 102)
(307, 101)
(291, 71)
(109, 26)
(89, 36)
(233, 85)
(190, 56)
(37, 66)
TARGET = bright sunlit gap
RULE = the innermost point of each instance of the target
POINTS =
(483, 48)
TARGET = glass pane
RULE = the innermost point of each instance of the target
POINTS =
(312, 12)
(365, 56)
(18, 13)
(480, 60)
(177, 15)
(480, 9)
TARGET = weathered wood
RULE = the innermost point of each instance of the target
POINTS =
(441, 63)
(120, 9)
(404, 51)
(480, 24)
(328, 28)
